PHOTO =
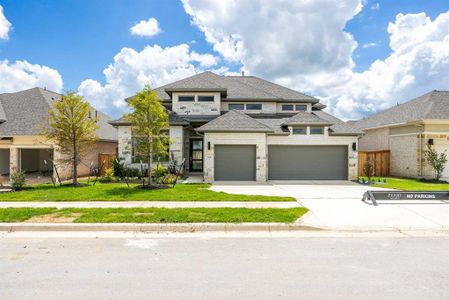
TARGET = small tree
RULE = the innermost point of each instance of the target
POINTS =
(436, 160)
(71, 129)
(368, 168)
(148, 119)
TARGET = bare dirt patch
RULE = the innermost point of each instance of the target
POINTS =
(54, 218)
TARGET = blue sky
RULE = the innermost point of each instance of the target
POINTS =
(79, 39)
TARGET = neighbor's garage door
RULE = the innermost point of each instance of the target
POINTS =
(307, 162)
(235, 162)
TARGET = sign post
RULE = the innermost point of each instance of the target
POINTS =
(374, 196)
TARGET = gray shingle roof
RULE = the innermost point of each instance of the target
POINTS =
(338, 127)
(275, 123)
(235, 88)
(431, 106)
(305, 118)
(25, 113)
(234, 121)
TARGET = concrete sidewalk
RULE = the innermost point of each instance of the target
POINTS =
(136, 204)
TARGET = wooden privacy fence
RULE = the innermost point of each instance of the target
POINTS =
(105, 161)
(381, 161)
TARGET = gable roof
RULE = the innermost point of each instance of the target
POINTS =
(431, 106)
(234, 121)
(305, 118)
(24, 113)
(338, 126)
(247, 88)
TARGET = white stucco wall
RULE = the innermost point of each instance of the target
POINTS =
(195, 107)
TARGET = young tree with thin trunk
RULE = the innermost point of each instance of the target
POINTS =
(70, 127)
(436, 160)
(148, 121)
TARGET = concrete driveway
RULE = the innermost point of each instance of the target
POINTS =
(338, 205)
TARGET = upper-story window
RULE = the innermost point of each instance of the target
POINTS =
(300, 130)
(186, 98)
(254, 106)
(316, 130)
(236, 106)
(288, 107)
(300, 107)
(205, 98)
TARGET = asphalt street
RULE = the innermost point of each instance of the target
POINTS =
(214, 267)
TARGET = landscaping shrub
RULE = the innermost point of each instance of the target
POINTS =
(159, 171)
(108, 175)
(119, 168)
(17, 180)
(169, 179)
(132, 172)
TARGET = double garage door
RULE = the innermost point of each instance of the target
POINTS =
(238, 162)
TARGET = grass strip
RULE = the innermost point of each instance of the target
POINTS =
(158, 215)
(14, 214)
(410, 184)
(121, 192)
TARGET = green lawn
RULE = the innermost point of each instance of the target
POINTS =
(408, 184)
(121, 192)
(154, 215)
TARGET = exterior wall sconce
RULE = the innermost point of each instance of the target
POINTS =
(208, 145)
(354, 146)
(430, 142)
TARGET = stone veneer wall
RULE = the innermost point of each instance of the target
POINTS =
(258, 139)
(404, 157)
(124, 144)
(440, 143)
(374, 140)
(177, 142)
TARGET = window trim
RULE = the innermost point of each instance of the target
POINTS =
(320, 127)
(303, 105)
(242, 105)
(258, 104)
(285, 105)
(296, 127)
(206, 96)
(186, 96)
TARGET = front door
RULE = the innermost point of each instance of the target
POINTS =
(196, 155)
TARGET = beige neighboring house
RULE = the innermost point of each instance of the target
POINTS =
(22, 148)
(406, 130)
(244, 128)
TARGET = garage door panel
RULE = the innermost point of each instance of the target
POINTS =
(235, 162)
(307, 162)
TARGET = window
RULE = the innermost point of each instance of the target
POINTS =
(253, 106)
(300, 107)
(287, 107)
(316, 130)
(300, 130)
(236, 106)
(186, 98)
(205, 98)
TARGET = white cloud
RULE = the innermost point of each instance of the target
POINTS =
(304, 46)
(132, 70)
(146, 28)
(22, 75)
(375, 6)
(369, 45)
(5, 25)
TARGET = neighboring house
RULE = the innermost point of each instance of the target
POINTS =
(246, 128)
(406, 130)
(22, 116)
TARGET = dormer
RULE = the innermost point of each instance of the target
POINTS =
(196, 103)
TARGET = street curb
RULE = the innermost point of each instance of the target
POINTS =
(182, 227)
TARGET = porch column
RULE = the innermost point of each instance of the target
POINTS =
(177, 143)
(125, 144)
(14, 163)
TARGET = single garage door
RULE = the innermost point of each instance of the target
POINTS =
(235, 162)
(307, 162)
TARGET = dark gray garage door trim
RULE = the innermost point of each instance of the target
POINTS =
(234, 162)
(307, 162)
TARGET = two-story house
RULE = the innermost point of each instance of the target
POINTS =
(244, 128)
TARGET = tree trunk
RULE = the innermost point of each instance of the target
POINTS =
(74, 166)
(149, 163)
